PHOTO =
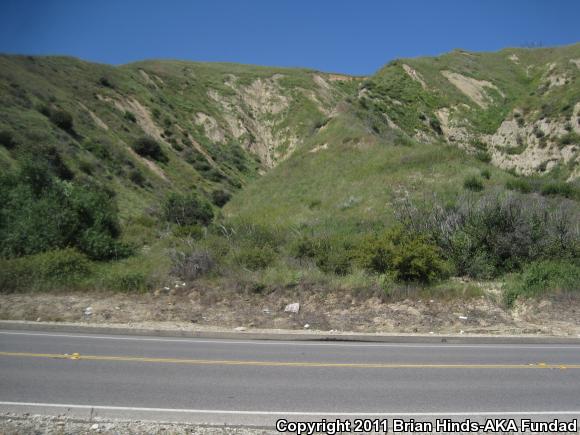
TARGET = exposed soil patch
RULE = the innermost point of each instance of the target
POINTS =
(141, 113)
(473, 88)
(210, 126)
(98, 121)
(415, 75)
(148, 79)
(203, 308)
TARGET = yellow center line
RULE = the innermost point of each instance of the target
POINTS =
(76, 356)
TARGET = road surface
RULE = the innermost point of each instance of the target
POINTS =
(257, 382)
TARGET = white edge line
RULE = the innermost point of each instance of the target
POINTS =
(294, 343)
(289, 413)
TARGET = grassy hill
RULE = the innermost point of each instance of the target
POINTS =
(517, 107)
(256, 178)
(217, 125)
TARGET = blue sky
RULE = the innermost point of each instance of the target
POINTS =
(356, 37)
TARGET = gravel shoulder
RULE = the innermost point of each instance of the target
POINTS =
(15, 424)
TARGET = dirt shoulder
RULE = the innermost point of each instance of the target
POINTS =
(206, 310)
(16, 424)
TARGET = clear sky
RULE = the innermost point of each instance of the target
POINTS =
(356, 36)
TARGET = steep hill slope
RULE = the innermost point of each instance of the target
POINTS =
(521, 107)
(401, 134)
(217, 125)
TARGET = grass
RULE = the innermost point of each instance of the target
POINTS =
(59, 84)
(542, 278)
(358, 169)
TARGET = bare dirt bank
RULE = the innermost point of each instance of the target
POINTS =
(198, 309)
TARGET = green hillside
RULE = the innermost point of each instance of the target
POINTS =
(256, 178)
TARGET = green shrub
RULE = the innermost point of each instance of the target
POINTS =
(485, 173)
(86, 166)
(129, 116)
(62, 119)
(419, 261)
(255, 258)
(542, 278)
(100, 245)
(39, 213)
(190, 231)
(53, 268)
(127, 281)
(250, 233)
(104, 81)
(330, 254)
(479, 145)
(519, 184)
(63, 265)
(496, 233)
(213, 174)
(220, 197)
(137, 177)
(148, 147)
(42, 162)
(7, 139)
(558, 188)
(473, 183)
(436, 126)
(483, 156)
(305, 247)
(187, 209)
(519, 119)
(406, 256)
(569, 139)
(15, 274)
(336, 260)
(99, 148)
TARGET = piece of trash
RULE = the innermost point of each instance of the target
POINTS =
(95, 427)
(240, 328)
(431, 332)
(463, 317)
(292, 308)
(306, 326)
(88, 311)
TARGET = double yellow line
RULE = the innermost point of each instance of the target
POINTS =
(76, 356)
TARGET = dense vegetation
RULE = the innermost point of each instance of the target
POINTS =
(128, 178)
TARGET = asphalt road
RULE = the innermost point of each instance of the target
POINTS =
(257, 382)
